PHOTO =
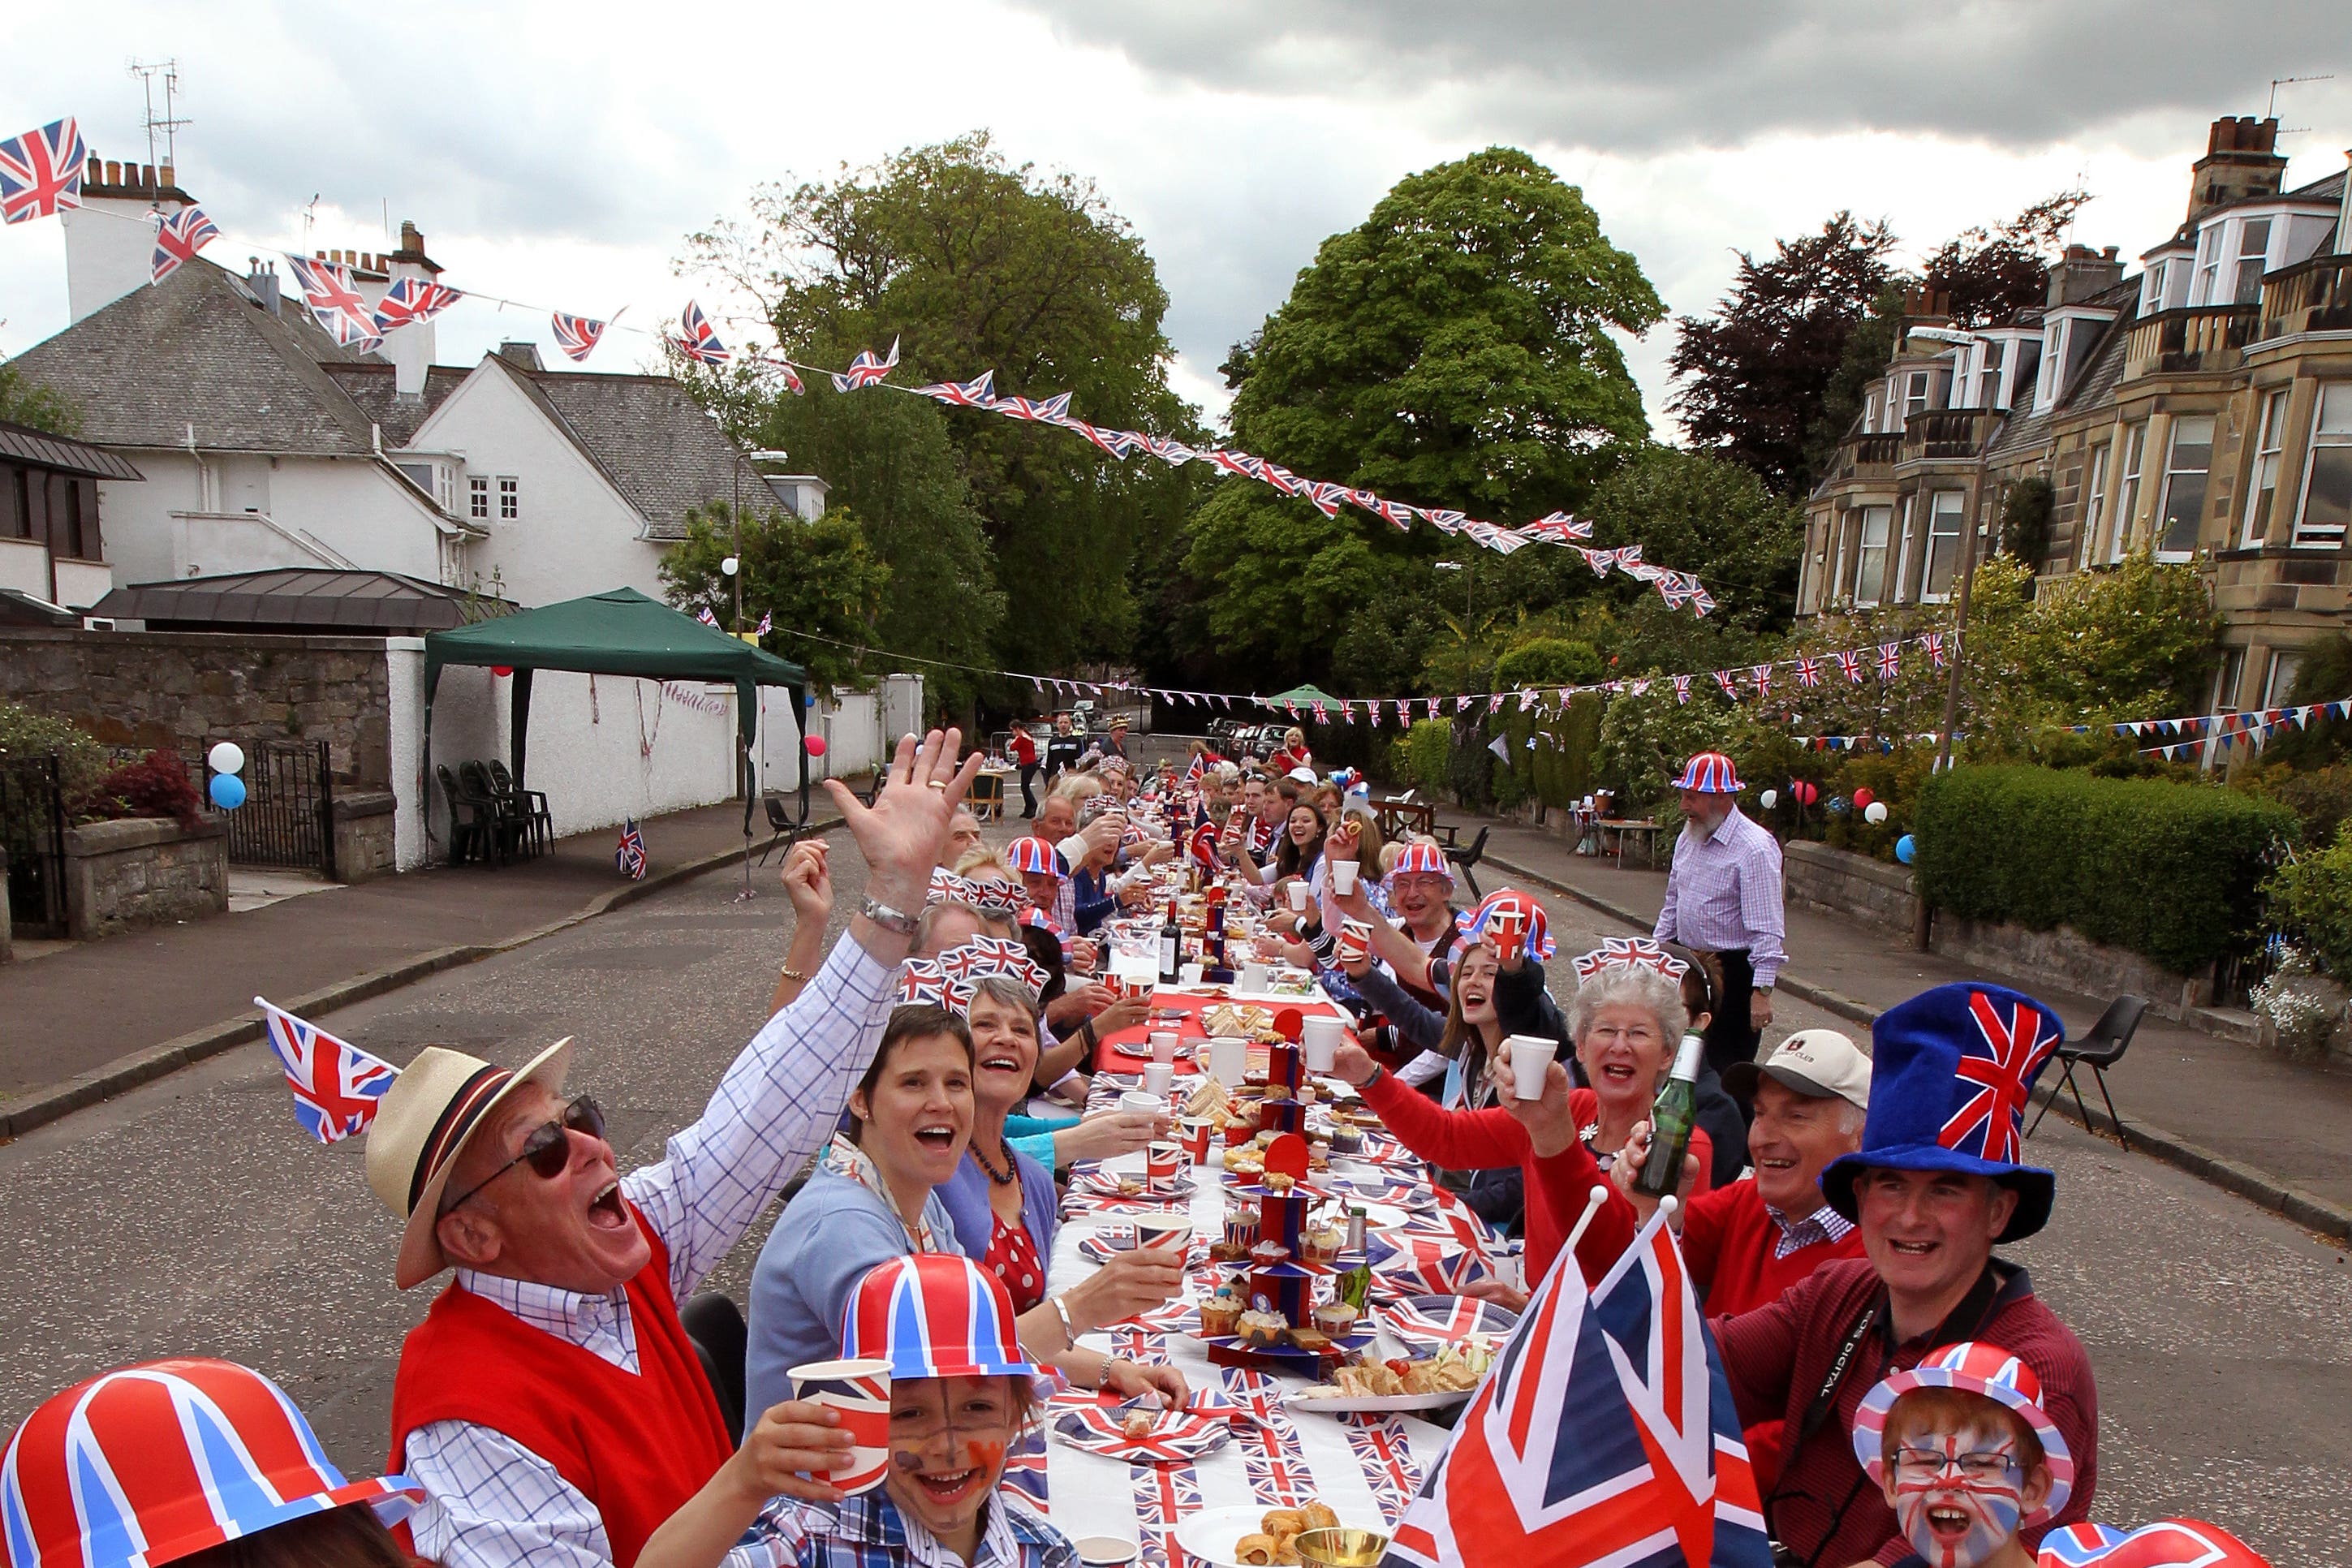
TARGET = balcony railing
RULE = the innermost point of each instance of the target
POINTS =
(2314, 296)
(1945, 433)
(2199, 338)
(1865, 455)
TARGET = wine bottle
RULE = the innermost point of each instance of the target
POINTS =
(1172, 948)
(1672, 1117)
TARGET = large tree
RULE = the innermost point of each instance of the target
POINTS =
(818, 577)
(974, 263)
(35, 405)
(1715, 518)
(1454, 349)
(1986, 276)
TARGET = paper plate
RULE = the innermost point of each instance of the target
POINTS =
(1176, 1437)
(1210, 1535)
(1428, 1322)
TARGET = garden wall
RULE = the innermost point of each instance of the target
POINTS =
(1840, 882)
(142, 871)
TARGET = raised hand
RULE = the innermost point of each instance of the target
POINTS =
(1551, 1128)
(808, 881)
(790, 1438)
(901, 834)
(1353, 1064)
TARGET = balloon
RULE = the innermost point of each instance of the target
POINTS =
(502, 671)
(815, 744)
(228, 757)
(1802, 793)
(1768, 799)
(1836, 805)
(729, 565)
(1874, 813)
(809, 701)
(1906, 850)
(1862, 799)
(228, 790)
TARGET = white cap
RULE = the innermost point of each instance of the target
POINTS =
(1820, 1064)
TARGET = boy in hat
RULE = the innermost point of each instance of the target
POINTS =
(1964, 1454)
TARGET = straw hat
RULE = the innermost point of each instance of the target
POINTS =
(429, 1112)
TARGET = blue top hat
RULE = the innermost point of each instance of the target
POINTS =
(1951, 1070)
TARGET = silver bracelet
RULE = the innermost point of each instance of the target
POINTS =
(885, 917)
(1069, 1330)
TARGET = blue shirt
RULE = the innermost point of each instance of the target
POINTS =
(868, 1532)
(965, 1198)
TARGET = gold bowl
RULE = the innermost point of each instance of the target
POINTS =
(1340, 1547)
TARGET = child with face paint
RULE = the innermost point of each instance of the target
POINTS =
(1967, 1458)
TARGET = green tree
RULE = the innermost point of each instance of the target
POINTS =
(1704, 514)
(35, 405)
(817, 577)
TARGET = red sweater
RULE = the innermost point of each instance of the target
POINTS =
(1779, 1355)
(637, 1445)
(1482, 1140)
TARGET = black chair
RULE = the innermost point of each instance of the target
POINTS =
(1465, 859)
(714, 1325)
(780, 821)
(513, 819)
(473, 821)
(2100, 1049)
(533, 802)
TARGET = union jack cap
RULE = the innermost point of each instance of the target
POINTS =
(1978, 1368)
(148, 1464)
(1035, 858)
(1473, 923)
(934, 1314)
(1423, 860)
(1709, 773)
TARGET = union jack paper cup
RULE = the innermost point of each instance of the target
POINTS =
(860, 1391)
(1162, 1161)
(1355, 941)
(1508, 927)
(1197, 1133)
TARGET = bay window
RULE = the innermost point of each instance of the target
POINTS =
(2262, 487)
(2188, 460)
(1943, 547)
(2328, 470)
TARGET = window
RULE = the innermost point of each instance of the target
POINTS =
(2253, 240)
(2227, 680)
(2185, 467)
(2209, 266)
(2279, 683)
(2094, 504)
(1903, 579)
(1943, 547)
(1988, 357)
(509, 499)
(1915, 396)
(478, 491)
(1870, 412)
(2152, 293)
(2328, 471)
(2263, 486)
(1870, 574)
(2128, 497)
(15, 514)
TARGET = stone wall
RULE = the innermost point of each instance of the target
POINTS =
(364, 834)
(2065, 957)
(179, 691)
(1840, 882)
(8, 923)
(142, 871)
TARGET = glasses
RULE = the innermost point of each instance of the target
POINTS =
(1977, 1465)
(548, 1150)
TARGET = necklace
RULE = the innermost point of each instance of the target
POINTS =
(1010, 1173)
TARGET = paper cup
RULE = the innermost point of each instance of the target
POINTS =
(1173, 1234)
(1195, 1135)
(1228, 1059)
(1355, 941)
(1253, 976)
(1138, 1099)
(1318, 1044)
(1343, 876)
(860, 1391)
(1158, 1077)
(1162, 1161)
(1529, 1055)
(1164, 1045)
(1509, 928)
(1189, 977)
(1299, 893)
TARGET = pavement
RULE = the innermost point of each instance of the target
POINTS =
(91, 1020)
(2275, 1131)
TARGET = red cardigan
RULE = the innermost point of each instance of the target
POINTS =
(1482, 1140)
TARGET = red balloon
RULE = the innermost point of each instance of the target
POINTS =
(502, 669)
(815, 744)
(1804, 794)
(1862, 799)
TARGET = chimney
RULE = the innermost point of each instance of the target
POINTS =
(2083, 272)
(2241, 159)
(520, 351)
(411, 349)
(261, 282)
(110, 239)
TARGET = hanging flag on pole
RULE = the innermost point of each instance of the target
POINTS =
(177, 239)
(40, 171)
(338, 1088)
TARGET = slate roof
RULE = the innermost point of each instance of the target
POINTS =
(368, 383)
(2096, 380)
(662, 452)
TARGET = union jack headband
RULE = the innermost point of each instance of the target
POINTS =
(952, 979)
(946, 885)
(991, 897)
(1472, 923)
(1632, 953)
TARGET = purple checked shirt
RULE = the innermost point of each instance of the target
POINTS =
(1724, 892)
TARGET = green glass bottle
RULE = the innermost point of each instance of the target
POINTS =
(1672, 1117)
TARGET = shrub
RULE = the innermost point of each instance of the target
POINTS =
(2168, 870)
(1548, 661)
(157, 786)
(2311, 898)
(82, 762)
(1419, 756)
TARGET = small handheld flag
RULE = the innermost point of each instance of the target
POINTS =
(629, 855)
(338, 1088)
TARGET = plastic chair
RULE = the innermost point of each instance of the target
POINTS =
(714, 1326)
(1465, 859)
(783, 829)
(473, 835)
(512, 818)
(533, 802)
(2100, 1049)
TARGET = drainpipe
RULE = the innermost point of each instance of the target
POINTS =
(204, 474)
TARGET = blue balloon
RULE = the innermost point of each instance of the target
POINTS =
(228, 790)
(809, 701)
(1906, 850)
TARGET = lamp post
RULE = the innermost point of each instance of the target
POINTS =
(1468, 583)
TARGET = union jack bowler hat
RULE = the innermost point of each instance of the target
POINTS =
(1709, 773)
(429, 1112)
(149, 1464)
(1416, 859)
(1975, 1367)
(1035, 858)
(1951, 1070)
(934, 1314)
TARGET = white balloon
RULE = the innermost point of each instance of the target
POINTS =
(1768, 799)
(728, 565)
(228, 757)
(1874, 813)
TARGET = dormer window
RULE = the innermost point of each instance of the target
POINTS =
(2208, 265)
(1915, 396)
(1989, 354)
(2253, 244)
(1870, 412)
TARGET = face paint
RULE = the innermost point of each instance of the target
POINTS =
(1958, 1496)
(948, 1437)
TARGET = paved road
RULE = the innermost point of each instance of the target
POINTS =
(192, 1216)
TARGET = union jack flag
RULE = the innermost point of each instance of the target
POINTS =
(866, 370)
(1849, 663)
(1232, 462)
(1495, 701)
(2012, 1050)
(40, 171)
(978, 393)
(1672, 591)
(1173, 1438)
(1682, 689)
(1372, 710)
(338, 1088)
(1603, 1434)
(1326, 497)
(1462, 704)
(1701, 601)
(333, 302)
(1415, 1264)
(1599, 560)
(1171, 452)
(1889, 654)
(576, 335)
(791, 375)
(1397, 512)
(1427, 1322)
(705, 616)
(1404, 710)
(1502, 540)
(1044, 412)
(1320, 716)
(1443, 518)
(1724, 678)
(177, 239)
(1934, 643)
(2172, 1543)
(1283, 480)
(1809, 672)
(699, 339)
(1761, 677)
(1365, 500)
(411, 301)
(767, 622)
(1117, 443)
(629, 855)
(1559, 527)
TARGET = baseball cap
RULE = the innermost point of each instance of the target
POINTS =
(1820, 1064)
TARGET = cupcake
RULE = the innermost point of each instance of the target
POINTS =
(1267, 1254)
(1220, 1314)
(1262, 1328)
(1323, 1244)
(1335, 1319)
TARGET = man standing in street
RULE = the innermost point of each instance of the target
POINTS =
(1722, 903)
(1062, 750)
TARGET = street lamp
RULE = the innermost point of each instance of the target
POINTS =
(1968, 569)
(1468, 583)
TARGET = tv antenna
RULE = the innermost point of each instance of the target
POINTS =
(168, 122)
(2279, 81)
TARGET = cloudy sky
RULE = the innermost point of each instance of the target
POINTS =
(557, 154)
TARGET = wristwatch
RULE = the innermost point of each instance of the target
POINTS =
(888, 919)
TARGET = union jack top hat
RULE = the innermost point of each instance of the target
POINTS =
(1417, 859)
(1978, 1368)
(1035, 858)
(1709, 773)
(934, 1314)
(1951, 1072)
(148, 1464)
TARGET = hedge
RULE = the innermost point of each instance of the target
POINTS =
(2168, 870)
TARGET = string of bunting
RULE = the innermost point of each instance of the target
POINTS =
(2224, 730)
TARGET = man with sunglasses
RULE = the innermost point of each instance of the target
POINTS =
(551, 1405)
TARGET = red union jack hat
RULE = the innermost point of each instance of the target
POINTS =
(1975, 1367)
(148, 1464)
(1709, 773)
(1472, 923)
(1951, 1072)
(1035, 858)
(934, 1314)
(2168, 1543)
(1418, 859)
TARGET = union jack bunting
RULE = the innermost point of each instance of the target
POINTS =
(1444, 519)
(979, 392)
(1397, 512)
(1934, 643)
(333, 302)
(1320, 716)
(177, 239)
(1117, 443)
(1528, 699)
(1404, 710)
(1462, 705)
(698, 340)
(338, 1088)
(1809, 672)
(1634, 952)
(1639, 688)
(1174, 453)
(1232, 462)
(1849, 663)
(1502, 540)
(1724, 678)
(576, 335)
(1761, 677)
(411, 301)
(1673, 593)
(1701, 601)
(1372, 710)
(1599, 560)
(1682, 687)
(2009, 1050)
(1889, 657)
(1326, 497)
(1559, 527)
(1044, 412)
(793, 381)
(629, 855)
(1282, 479)
(1495, 701)
(866, 370)
(40, 171)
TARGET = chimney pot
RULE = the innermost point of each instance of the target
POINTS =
(113, 172)
(167, 176)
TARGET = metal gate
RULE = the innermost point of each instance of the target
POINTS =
(289, 815)
(33, 825)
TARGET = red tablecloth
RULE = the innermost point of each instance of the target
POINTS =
(1109, 1059)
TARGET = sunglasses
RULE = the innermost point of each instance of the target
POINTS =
(548, 1150)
